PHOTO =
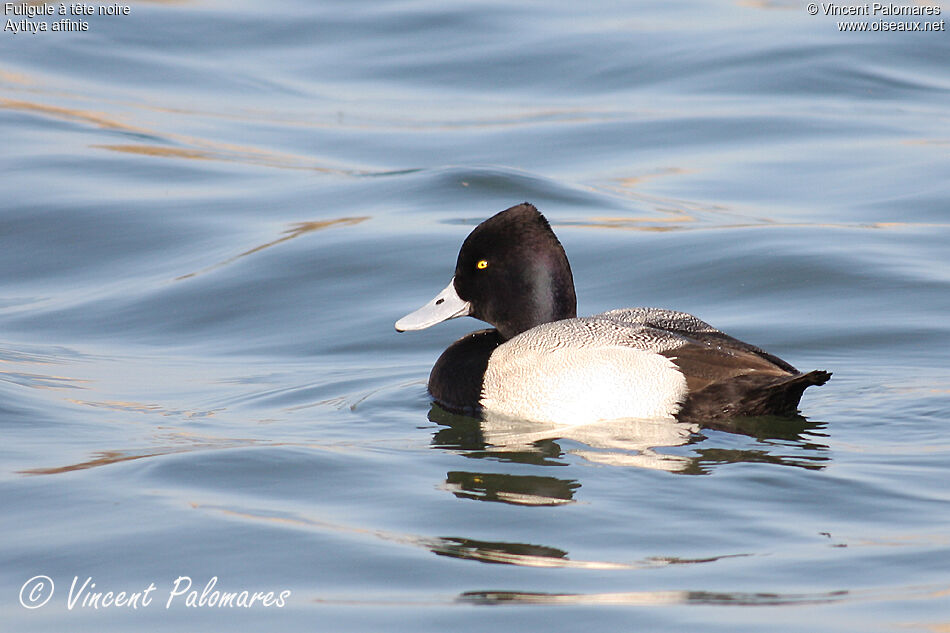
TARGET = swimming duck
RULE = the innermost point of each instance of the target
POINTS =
(541, 362)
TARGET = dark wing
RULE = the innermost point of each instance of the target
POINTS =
(705, 362)
(711, 351)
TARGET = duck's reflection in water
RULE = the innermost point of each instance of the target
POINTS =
(524, 490)
(626, 442)
(639, 443)
(524, 554)
(534, 555)
(653, 598)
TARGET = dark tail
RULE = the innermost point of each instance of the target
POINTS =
(782, 398)
(750, 395)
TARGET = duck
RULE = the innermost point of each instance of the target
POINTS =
(541, 362)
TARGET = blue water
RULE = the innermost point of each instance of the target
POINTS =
(214, 212)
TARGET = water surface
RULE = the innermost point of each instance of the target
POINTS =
(214, 212)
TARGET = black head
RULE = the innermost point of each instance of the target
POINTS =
(513, 271)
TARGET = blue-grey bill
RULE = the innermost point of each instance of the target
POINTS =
(446, 305)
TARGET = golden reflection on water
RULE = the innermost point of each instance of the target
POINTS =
(677, 214)
(903, 540)
(171, 145)
(179, 442)
(101, 458)
(228, 153)
(15, 78)
(70, 114)
(139, 407)
(927, 141)
(155, 150)
(630, 182)
(672, 214)
(679, 220)
(194, 148)
(41, 381)
(297, 229)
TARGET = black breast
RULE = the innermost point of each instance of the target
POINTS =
(456, 378)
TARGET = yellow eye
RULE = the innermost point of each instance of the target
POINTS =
(482, 264)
